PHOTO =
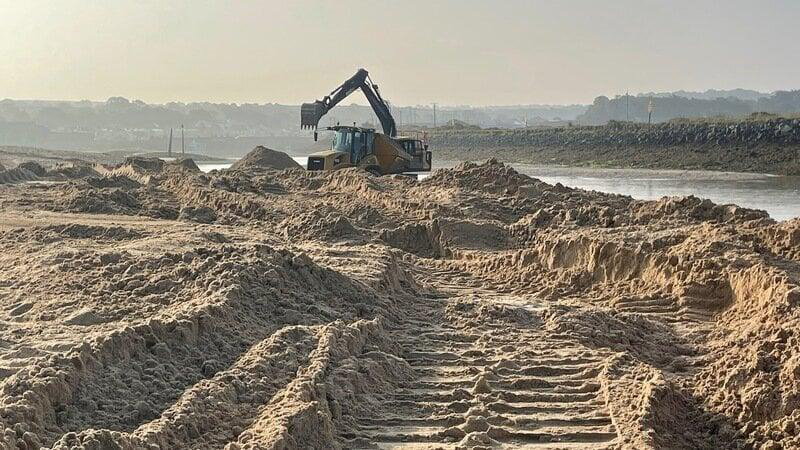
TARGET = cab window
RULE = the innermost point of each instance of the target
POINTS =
(343, 141)
(358, 143)
(370, 139)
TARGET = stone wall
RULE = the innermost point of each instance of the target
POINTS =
(773, 131)
(764, 146)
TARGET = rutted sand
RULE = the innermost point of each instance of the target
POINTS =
(153, 306)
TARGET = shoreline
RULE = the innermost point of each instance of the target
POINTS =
(758, 146)
(611, 172)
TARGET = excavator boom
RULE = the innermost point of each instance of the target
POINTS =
(311, 113)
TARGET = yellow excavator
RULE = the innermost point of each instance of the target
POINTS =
(379, 153)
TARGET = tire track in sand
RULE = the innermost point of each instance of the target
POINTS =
(486, 386)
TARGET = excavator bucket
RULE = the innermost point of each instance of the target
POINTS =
(310, 113)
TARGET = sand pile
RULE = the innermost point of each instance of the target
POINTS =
(33, 171)
(33, 167)
(264, 157)
(257, 308)
(314, 225)
(186, 163)
(17, 175)
(63, 172)
(141, 169)
(145, 164)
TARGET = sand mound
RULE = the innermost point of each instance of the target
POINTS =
(478, 307)
(201, 214)
(33, 167)
(113, 181)
(186, 163)
(145, 164)
(71, 172)
(315, 226)
(33, 171)
(17, 175)
(420, 239)
(263, 157)
(143, 170)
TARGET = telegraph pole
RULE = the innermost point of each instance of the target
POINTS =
(627, 107)
(650, 108)
(169, 146)
(183, 142)
(434, 115)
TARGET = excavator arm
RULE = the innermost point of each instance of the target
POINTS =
(311, 113)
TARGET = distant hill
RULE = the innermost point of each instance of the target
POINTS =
(711, 94)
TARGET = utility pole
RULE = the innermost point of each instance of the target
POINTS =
(650, 107)
(434, 115)
(627, 107)
(169, 146)
(183, 142)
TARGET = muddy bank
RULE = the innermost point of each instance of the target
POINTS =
(12, 156)
(155, 306)
(771, 146)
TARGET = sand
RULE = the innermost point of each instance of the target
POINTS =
(263, 157)
(149, 307)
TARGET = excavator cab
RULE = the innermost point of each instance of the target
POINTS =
(355, 141)
(351, 146)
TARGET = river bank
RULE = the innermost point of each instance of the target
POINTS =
(753, 145)
(778, 195)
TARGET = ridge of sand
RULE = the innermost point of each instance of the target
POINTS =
(477, 308)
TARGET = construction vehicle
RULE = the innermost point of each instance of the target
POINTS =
(379, 153)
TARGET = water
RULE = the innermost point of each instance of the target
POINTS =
(215, 166)
(779, 196)
(208, 167)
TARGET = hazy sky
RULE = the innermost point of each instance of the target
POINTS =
(451, 52)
